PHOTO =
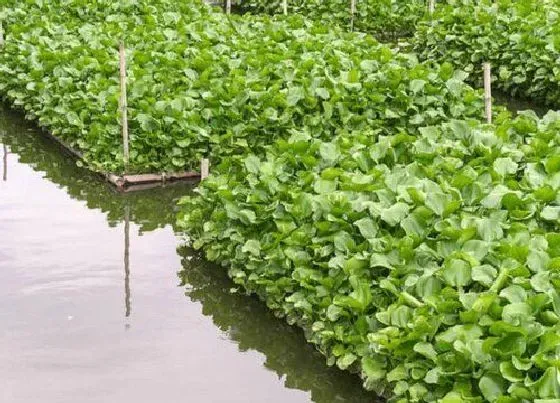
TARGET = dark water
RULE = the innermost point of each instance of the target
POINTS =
(80, 323)
(518, 105)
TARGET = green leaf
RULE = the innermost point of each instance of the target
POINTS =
(551, 213)
(395, 214)
(373, 369)
(492, 387)
(457, 273)
(252, 246)
(367, 227)
(252, 163)
(427, 350)
(505, 166)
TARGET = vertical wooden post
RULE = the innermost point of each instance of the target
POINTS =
(123, 103)
(127, 260)
(204, 168)
(488, 91)
(431, 6)
(1, 34)
(352, 12)
(228, 6)
(285, 7)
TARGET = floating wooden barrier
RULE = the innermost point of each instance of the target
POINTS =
(132, 182)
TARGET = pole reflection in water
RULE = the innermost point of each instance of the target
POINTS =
(5, 159)
(127, 260)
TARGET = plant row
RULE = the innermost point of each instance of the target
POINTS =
(203, 84)
(383, 18)
(428, 262)
(521, 39)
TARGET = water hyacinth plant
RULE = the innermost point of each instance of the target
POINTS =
(201, 84)
(429, 263)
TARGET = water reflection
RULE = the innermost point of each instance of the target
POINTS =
(248, 322)
(63, 275)
(149, 209)
(127, 260)
(5, 163)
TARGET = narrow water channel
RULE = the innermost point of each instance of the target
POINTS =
(81, 322)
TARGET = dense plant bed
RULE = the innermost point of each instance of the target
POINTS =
(383, 18)
(520, 38)
(430, 263)
(202, 84)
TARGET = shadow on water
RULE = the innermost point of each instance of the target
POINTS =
(149, 209)
(518, 105)
(244, 320)
(248, 322)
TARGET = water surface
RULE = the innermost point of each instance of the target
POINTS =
(82, 322)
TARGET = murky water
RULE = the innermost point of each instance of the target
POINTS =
(81, 323)
(517, 105)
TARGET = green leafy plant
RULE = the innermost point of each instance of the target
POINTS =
(204, 84)
(521, 39)
(427, 262)
(384, 18)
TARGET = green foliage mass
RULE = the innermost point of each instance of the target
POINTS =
(202, 84)
(384, 18)
(429, 263)
(521, 39)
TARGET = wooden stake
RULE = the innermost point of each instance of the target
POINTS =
(431, 6)
(352, 12)
(127, 260)
(285, 6)
(204, 168)
(123, 104)
(1, 34)
(488, 91)
(228, 6)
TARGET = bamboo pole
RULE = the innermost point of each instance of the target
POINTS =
(127, 260)
(123, 103)
(352, 12)
(228, 6)
(431, 6)
(285, 7)
(488, 91)
(204, 168)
